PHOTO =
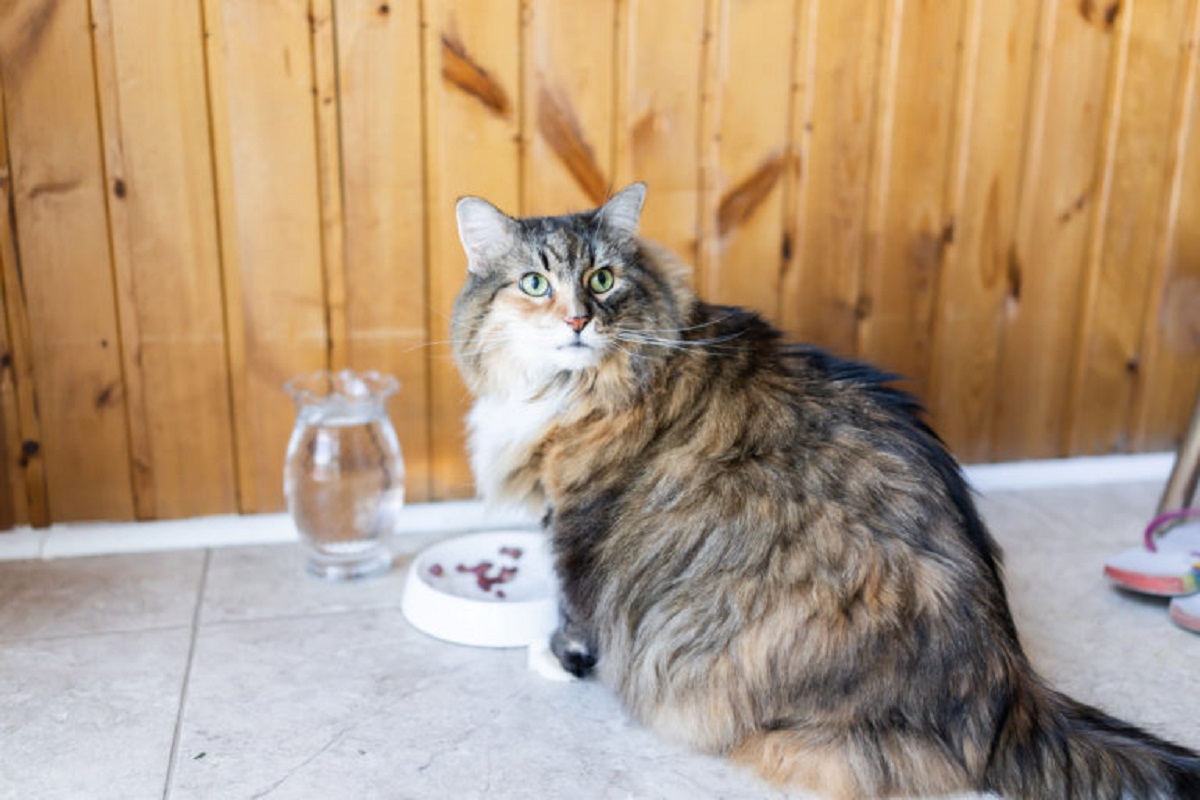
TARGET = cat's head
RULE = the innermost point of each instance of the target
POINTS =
(552, 300)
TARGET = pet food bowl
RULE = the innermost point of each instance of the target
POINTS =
(492, 589)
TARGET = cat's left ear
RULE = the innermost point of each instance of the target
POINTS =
(623, 210)
(486, 232)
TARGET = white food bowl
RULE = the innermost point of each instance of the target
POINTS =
(493, 589)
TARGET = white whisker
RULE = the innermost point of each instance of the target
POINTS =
(498, 339)
(697, 326)
(638, 337)
(631, 354)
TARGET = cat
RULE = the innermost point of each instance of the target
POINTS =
(763, 549)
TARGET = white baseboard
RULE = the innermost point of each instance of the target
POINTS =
(103, 538)
(1065, 472)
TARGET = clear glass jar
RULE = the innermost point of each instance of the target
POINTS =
(344, 474)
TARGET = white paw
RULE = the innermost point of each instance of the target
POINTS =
(542, 661)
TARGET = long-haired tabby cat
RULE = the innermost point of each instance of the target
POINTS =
(762, 548)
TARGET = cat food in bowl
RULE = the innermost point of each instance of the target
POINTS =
(493, 589)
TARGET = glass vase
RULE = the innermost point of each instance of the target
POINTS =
(344, 473)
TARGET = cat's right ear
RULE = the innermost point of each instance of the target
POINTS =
(486, 231)
(623, 210)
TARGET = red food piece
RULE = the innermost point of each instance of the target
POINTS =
(485, 581)
(500, 593)
(436, 570)
(511, 552)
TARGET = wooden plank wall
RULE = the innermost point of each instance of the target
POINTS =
(201, 198)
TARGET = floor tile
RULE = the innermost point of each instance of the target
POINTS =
(103, 593)
(1101, 645)
(306, 689)
(22, 543)
(1113, 516)
(91, 716)
(270, 581)
(361, 705)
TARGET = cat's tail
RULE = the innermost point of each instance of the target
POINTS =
(1032, 744)
(1054, 747)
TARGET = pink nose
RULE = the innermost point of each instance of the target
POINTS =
(578, 323)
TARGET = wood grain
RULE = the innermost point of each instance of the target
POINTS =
(460, 69)
(381, 138)
(1172, 320)
(261, 95)
(24, 477)
(107, 91)
(1127, 238)
(751, 154)
(658, 112)
(13, 498)
(199, 200)
(992, 121)
(326, 106)
(472, 147)
(820, 294)
(911, 223)
(165, 256)
(568, 90)
(1048, 272)
(64, 266)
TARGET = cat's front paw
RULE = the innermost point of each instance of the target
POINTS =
(574, 654)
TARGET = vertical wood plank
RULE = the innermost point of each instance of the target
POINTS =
(820, 294)
(261, 93)
(472, 135)
(1047, 274)
(200, 201)
(568, 108)
(994, 91)
(658, 115)
(707, 250)
(64, 269)
(24, 477)
(753, 157)
(165, 256)
(1127, 239)
(913, 222)
(13, 501)
(326, 102)
(142, 469)
(1171, 366)
(379, 83)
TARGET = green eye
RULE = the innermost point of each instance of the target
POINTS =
(601, 280)
(534, 284)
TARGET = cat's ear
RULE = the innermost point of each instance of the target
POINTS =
(623, 210)
(486, 231)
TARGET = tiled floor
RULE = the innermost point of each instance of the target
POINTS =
(228, 673)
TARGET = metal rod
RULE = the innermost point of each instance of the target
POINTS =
(1181, 486)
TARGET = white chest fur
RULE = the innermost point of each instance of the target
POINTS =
(503, 430)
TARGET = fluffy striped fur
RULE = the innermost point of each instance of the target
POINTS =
(762, 548)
